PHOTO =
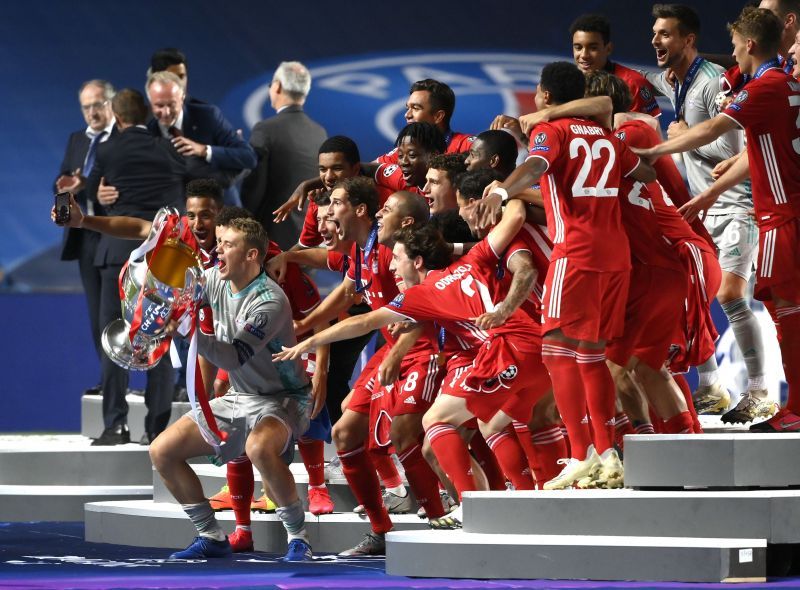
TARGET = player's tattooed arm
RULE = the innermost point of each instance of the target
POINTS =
(521, 265)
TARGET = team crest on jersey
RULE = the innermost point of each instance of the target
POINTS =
(645, 93)
(620, 135)
(366, 95)
(741, 97)
(389, 170)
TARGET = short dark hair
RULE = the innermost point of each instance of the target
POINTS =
(129, 107)
(442, 96)
(255, 236)
(205, 187)
(601, 83)
(688, 21)
(454, 228)
(786, 7)
(592, 23)
(164, 58)
(761, 25)
(323, 199)
(452, 164)
(414, 206)
(563, 80)
(425, 135)
(230, 212)
(344, 145)
(360, 191)
(471, 184)
(504, 146)
(426, 241)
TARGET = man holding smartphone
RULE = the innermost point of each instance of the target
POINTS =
(79, 244)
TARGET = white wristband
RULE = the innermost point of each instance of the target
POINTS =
(458, 248)
(502, 192)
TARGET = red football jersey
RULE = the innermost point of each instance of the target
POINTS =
(534, 240)
(585, 164)
(299, 288)
(769, 110)
(466, 289)
(639, 134)
(389, 178)
(642, 92)
(309, 235)
(457, 143)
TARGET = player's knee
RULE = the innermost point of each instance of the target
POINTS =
(732, 287)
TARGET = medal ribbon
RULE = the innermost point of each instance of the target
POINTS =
(682, 89)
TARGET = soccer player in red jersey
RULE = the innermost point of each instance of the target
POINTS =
(440, 187)
(493, 149)
(416, 144)
(456, 297)
(591, 49)
(431, 101)
(580, 165)
(411, 370)
(767, 109)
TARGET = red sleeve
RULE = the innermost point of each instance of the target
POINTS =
(310, 236)
(644, 97)
(628, 161)
(749, 105)
(545, 142)
(416, 303)
(206, 320)
(388, 157)
(336, 260)
(300, 290)
(390, 176)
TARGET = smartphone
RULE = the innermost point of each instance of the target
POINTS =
(62, 208)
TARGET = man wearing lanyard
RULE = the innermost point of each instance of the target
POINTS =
(693, 95)
(767, 110)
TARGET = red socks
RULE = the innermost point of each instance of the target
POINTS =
(550, 446)
(387, 470)
(313, 454)
(644, 428)
(512, 459)
(622, 426)
(359, 470)
(788, 325)
(423, 481)
(241, 484)
(561, 358)
(680, 424)
(488, 462)
(687, 395)
(601, 396)
(452, 454)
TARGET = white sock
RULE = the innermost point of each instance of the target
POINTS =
(398, 491)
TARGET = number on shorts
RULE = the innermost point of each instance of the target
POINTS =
(411, 381)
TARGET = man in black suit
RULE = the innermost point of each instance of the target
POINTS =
(199, 131)
(287, 147)
(147, 174)
(78, 244)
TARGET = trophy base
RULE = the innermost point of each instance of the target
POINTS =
(117, 345)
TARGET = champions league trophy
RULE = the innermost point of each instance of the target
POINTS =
(162, 281)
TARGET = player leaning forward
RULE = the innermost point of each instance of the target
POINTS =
(267, 405)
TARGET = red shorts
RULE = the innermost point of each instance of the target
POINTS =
(695, 333)
(584, 304)
(365, 385)
(655, 300)
(519, 379)
(413, 393)
(778, 272)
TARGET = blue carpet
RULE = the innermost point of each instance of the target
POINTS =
(54, 556)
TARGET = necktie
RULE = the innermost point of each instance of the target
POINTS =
(88, 163)
(175, 132)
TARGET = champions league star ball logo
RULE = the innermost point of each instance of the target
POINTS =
(364, 97)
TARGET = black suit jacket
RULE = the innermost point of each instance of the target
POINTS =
(75, 154)
(147, 172)
(287, 146)
(230, 154)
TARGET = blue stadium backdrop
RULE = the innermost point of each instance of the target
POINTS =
(362, 56)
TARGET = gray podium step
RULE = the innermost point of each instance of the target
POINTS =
(212, 478)
(71, 460)
(21, 503)
(92, 415)
(771, 515)
(726, 460)
(152, 524)
(458, 554)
